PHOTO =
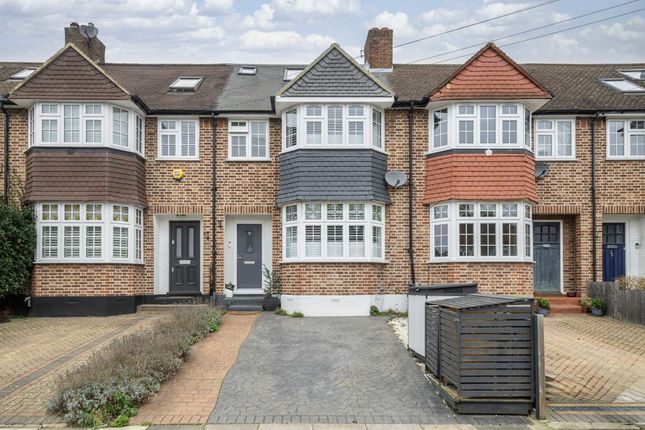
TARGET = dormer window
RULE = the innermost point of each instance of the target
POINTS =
(248, 70)
(638, 74)
(186, 84)
(623, 85)
(23, 74)
(289, 74)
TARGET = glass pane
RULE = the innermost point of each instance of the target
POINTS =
(334, 241)
(292, 242)
(249, 241)
(440, 124)
(441, 240)
(191, 242)
(313, 211)
(487, 124)
(488, 239)
(178, 243)
(565, 145)
(335, 125)
(466, 240)
(356, 241)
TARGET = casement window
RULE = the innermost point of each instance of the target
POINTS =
(480, 231)
(333, 126)
(178, 139)
(85, 124)
(248, 139)
(555, 139)
(326, 231)
(626, 139)
(89, 233)
(483, 125)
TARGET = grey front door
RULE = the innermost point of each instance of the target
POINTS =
(249, 256)
(184, 257)
(546, 245)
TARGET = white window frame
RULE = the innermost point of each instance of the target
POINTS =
(449, 216)
(369, 221)
(134, 224)
(301, 127)
(36, 117)
(454, 117)
(178, 135)
(237, 130)
(628, 132)
(553, 133)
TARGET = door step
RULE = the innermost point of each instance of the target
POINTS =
(168, 307)
(561, 304)
(246, 303)
(245, 308)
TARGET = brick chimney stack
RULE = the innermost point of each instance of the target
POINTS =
(378, 48)
(92, 47)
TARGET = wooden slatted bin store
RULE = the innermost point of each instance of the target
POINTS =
(480, 353)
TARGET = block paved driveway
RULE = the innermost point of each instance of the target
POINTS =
(336, 370)
(34, 351)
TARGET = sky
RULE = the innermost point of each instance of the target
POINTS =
(297, 31)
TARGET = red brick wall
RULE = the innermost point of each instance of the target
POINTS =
(497, 278)
(378, 48)
(89, 280)
(18, 143)
(334, 279)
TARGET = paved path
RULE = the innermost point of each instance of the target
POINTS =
(189, 397)
(330, 370)
(595, 369)
(35, 351)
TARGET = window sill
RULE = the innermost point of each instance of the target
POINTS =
(333, 147)
(555, 159)
(476, 260)
(248, 160)
(177, 159)
(82, 146)
(347, 261)
(86, 262)
(625, 158)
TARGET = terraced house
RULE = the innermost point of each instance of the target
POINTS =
(158, 180)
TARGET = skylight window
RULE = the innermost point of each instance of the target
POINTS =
(623, 85)
(634, 74)
(23, 74)
(186, 84)
(289, 74)
(247, 70)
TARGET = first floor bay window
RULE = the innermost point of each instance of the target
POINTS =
(324, 231)
(480, 231)
(89, 233)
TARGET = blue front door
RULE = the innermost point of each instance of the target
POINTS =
(613, 251)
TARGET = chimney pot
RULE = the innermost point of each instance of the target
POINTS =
(378, 48)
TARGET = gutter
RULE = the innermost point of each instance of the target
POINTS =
(213, 287)
(5, 169)
(594, 250)
(413, 278)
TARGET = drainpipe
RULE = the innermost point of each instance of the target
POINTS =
(413, 278)
(213, 203)
(6, 150)
(594, 251)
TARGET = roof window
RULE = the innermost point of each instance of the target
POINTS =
(623, 85)
(291, 73)
(248, 70)
(634, 74)
(185, 83)
(23, 74)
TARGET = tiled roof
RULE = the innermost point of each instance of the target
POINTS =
(7, 70)
(335, 74)
(489, 74)
(69, 75)
(501, 176)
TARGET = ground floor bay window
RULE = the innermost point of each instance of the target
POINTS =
(89, 233)
(480, 231)
(323, 231)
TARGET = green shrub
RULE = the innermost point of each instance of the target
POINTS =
(272, 282)
(374, 311)
(17, 247)
(543, 303)
(281, 311)
(114, 381)
(297, 314)
(585, 303)
(599, 304)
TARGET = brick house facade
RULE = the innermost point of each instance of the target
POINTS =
(246, 167)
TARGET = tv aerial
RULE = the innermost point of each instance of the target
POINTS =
(396, 179)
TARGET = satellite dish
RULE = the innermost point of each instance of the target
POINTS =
(541, 169)
(395, 178)
(89, 31)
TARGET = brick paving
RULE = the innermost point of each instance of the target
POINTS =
(595, 369)
(190, 396)
(35, 351)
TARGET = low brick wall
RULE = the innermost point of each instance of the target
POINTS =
(334, 279)
(89, 280)
(494, 278)
(623, 305)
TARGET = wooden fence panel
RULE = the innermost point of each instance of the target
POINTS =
(623, 305)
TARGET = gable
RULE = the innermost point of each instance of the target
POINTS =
(490, 74)
(69, 75)
(335, 74)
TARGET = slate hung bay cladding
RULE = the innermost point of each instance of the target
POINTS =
(333, 175)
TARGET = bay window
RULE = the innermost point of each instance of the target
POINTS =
(555, 139)
(89, 233)
(626, 139)
(322, 231)
(248, 140)
(485, 125)
(333, 125)
(477, 231)
(85, 124)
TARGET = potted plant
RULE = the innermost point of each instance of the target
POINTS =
(585, 303)
(598, 307)
(543, 306)
(272, 289)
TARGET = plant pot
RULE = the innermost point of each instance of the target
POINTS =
(543, 311)
(571, 294)
(271, 303)
(597, 312)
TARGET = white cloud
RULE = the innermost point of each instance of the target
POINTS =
(284, 39)
(217, 7)
(262, 18)
(397, 21)
(318, 7)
